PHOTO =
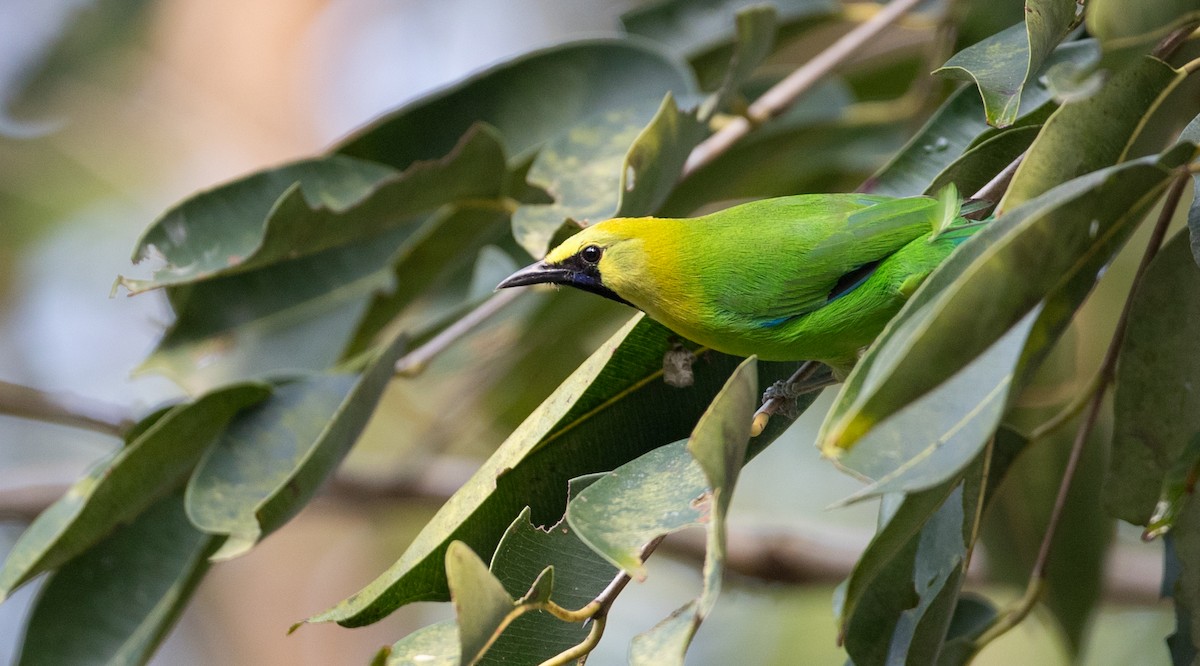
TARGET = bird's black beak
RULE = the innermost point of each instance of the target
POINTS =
(586, 278)
(537, 273)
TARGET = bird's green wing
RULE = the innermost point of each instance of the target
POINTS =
(836, 255)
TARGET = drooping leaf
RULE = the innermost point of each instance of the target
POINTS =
(612, 409)
(1185, 539)
(1003, 65)
(973, 615)
(309, 207)
(272, 459)
(719, 446)
(754, 35)
(980, 164)
(1089, 134)
(620, 161)
(1185, 597)
(116, 602)
(1156, 407)
(959, 312)
(119, 489)
(594, 76)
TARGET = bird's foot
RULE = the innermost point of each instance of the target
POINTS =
(783, 397)
(784, 394)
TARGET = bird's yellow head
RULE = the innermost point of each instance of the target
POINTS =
(605, 259)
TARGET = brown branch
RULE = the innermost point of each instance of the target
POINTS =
(64, 409)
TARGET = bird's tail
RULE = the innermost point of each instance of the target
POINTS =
(950, 223)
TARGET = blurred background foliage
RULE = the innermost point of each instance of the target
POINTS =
(111, 111)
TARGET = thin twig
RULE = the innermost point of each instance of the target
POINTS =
(998, 185)
(64, 409)
(414, 362)
(1108, 365)
(1171, 42)
(781, 96)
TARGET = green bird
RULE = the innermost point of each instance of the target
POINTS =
(813, 277)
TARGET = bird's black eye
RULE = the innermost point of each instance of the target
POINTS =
(591, 254)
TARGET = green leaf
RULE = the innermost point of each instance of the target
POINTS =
(1004, 64)
(435, 645)
(594, 75)
(1181, 583)
(898, 603)
(118, 490)
(272, 459)
(116, 602)
(936, 436)
(1092, 133)
(1156, 407)
(719, 446)
(306, 208)
(480, 601)
(955, 128)
(620, 161)
(612, 409)
(580, 575)
(1124, 35)
(973, 615)
(980, 164)
(754, 35)
(1191, 133)
(657, 493)
(959, 312)
(293, 317)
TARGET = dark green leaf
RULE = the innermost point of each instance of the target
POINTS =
(972, 616)
(579, 576)
(1156, 407)
(1186, 590)
(1124, 35)
(272, 459)
(593, 76)
(754, 37)
(119, 489)
(115, 603)
(1005, 63)
(691, 27)
(1089, 134)
(976, 167)
(1182, 647)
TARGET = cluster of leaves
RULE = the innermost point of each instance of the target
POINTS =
(297, 289)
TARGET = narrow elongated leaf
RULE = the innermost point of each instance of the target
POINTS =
(323, 204)
(1005, 64)
(595, 75)
(754, 36)
(115, 603)
(612, 409)
(959, 312)
(935, 437)
(1089, 134)
(980, 164)
(271, 461)
(1181, 583)
(633, 155)
(898, 603)
(119, 489)
(1156, 405)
